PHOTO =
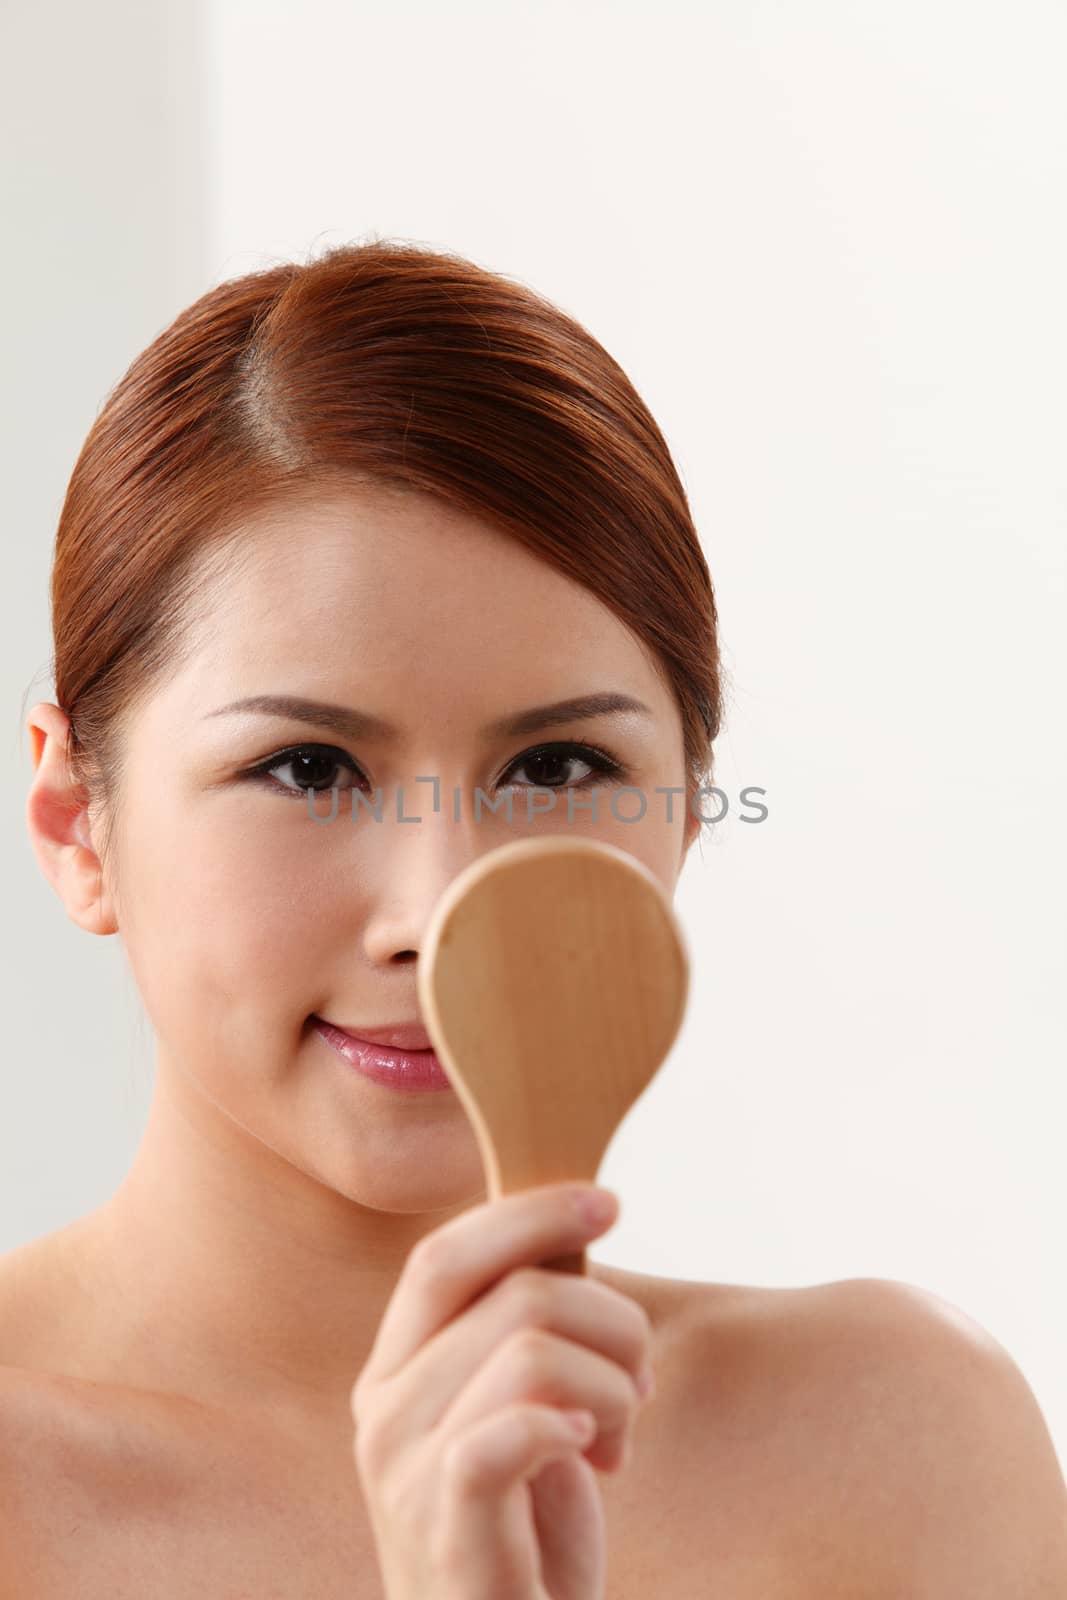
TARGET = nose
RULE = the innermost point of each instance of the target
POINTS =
(404, 876)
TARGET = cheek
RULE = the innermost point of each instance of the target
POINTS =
(228, 932)
(650, 838)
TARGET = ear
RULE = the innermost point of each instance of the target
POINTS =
(57, 815)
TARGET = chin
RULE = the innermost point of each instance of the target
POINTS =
(408, 1194)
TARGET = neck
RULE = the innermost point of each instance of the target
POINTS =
(232, 1276)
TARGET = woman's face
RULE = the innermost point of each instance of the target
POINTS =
(242, 917)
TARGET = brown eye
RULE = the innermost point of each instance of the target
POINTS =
(550, 762)
(314, 767)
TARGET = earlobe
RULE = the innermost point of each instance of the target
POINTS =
(57, 816)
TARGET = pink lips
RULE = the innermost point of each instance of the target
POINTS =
(399, 1056)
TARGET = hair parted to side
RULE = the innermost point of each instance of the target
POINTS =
(382, 361)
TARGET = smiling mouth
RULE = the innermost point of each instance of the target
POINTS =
(408, 1036)
(406, 1070)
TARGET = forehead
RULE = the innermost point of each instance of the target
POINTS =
(384, 591)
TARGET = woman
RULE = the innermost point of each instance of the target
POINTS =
(382, 518)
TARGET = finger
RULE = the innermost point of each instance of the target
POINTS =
(582, 1310)
(534, 1367)
(510, 1445)
(455, 1263)
(478, 1468)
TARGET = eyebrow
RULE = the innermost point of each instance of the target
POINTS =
(360, 725)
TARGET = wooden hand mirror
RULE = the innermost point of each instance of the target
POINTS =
(552, 982)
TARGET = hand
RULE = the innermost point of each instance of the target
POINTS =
(476, 1487)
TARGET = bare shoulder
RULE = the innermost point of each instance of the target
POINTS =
(80, 1455)
(39, 1304)
(56, 1409)
(44, 1300)
(49, 1429)
(875, 1421)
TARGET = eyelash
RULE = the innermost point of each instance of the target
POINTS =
(603, 764)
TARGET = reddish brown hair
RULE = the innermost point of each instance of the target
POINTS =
(383, 361)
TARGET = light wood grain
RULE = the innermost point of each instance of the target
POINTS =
(552, 980)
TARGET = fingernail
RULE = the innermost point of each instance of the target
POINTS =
(581, 1423)
(596, 1205)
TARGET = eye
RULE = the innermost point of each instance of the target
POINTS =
(314, 767)
(550, 757)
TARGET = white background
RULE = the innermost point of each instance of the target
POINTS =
(827, 243)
